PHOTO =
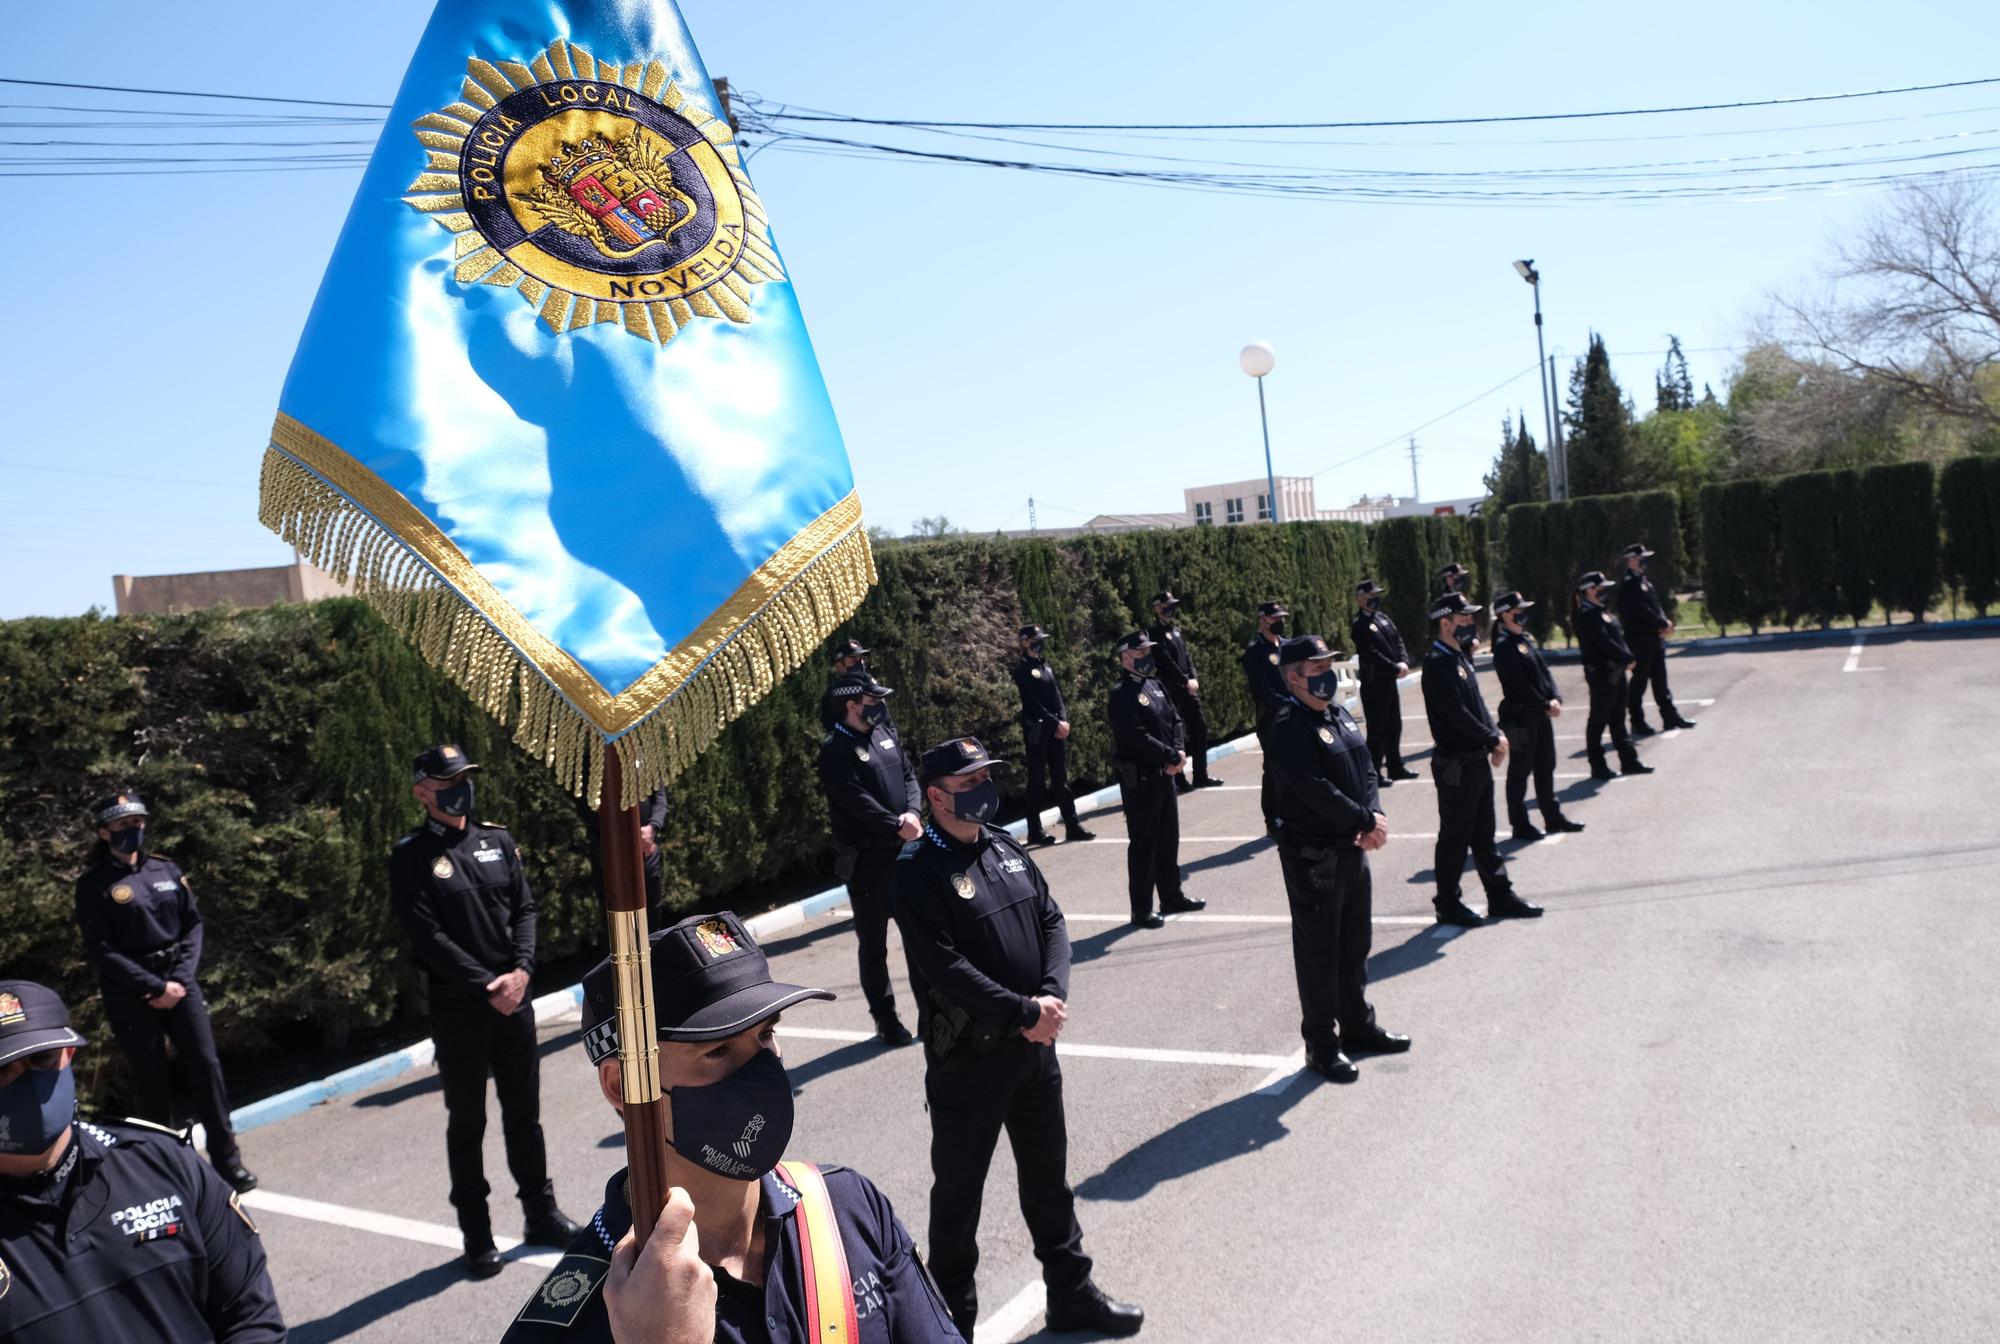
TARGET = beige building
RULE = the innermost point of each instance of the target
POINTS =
(1250, 502)
(153, 594)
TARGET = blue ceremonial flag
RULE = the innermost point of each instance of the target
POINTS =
(555, 411)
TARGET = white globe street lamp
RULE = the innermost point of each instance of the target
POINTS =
(1257, 360)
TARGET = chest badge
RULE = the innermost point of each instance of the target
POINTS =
(6, 1278)
(122, 894)
(441, 867)
(1034, 671)
(962, 884)
(1461, 672)
(1274, 660)
(1326, 735)
(861, 753)
(1144, 699)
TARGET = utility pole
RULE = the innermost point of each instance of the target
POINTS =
(722, 96)
(1416, 495)
(1558, 460)
(1033, 530)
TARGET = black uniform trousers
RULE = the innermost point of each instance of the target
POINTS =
(474, 1042)
(1382, 708)
(1531, 750)
(1607, 711)
(868, 894)
(1465, 822)
(1153, 822)
(1048, 773)
(1333, 901)
(1195, 724)
(143, 1031)
(1017, 1086)
(1651, 657)
(1265, 714)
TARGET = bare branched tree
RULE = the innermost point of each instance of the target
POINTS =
(1914, 303)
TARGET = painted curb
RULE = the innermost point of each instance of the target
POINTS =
(1832, 636)
(564, 1003)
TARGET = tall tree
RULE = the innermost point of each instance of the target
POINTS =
(1520, 472)
(1673, 388)
(1599, 424)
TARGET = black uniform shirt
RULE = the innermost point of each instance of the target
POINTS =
(1041, 699)
(1460, 725)
(1378, 645)
(1326, 792)
(869, 784)
(1526, 686)
(1145, 727)
(126, 913)
(1260, 669)
(1639, 605)
(980, 926)
(464, 899)
(1603, 643)
(1175, 658)
(134, 1238)
(894, 1299)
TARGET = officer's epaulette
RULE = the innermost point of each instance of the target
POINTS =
(184, 1137)
(490, 825)
(565, 1292)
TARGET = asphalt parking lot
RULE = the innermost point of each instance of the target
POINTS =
(1739, 1084)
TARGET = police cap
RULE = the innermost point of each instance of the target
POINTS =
(32, 1019)
(710, 980)
(848, 648)
(1033, 631)
(124, 803)
(1594, 579)
(1452, 604)
(1136, 642)
(1638, 550)
(1507, 602)
(1272, 609)
(443, 761)
(1369, 588)
(956, 756)
(1304, 649)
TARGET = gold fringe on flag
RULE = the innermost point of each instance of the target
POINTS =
(344, 519)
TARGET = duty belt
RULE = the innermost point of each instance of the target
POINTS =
(161, 959)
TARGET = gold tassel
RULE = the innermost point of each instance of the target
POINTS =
(331, 532)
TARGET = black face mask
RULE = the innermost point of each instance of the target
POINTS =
(1465, 633)
(1372, 603)
(980, 803)
(456, 801)
(873, 715)
(1324, 685)
(1278, 628)
(1035, 649)
(1144, 665)
(128, 841)
(737, 1127)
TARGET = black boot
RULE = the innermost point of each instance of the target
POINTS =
(1673, 718)
(1074, 831)
(550, 1227)
(1089, 1309)
(1599, 770)
(1556, 821)
(1640, 728)
(1524, 830)
(1630, 765)
(889, 1030)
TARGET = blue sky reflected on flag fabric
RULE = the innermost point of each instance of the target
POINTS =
(986, 335)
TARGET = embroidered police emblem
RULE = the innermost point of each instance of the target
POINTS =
(6, 1278)
(861, 752)
(1527, 649)
(566, 1291)
(1274, 660)
(962, 884)
(1034, 671)
(599, 189)
(1144, 699)
(563, 1290)
(441, 867)
(716, 939)
(10, 1010)
(1461, 671)
(122, 894)
(1326, 735)
(969, 747)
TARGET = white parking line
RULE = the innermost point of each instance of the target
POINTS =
(1854, 653)
(1093, 917)
(389, 1225)
(1137, 1053)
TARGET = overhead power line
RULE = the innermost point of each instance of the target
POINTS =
(190, 93)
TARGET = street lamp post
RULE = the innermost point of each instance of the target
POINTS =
(1558, 469)
(1258, 359)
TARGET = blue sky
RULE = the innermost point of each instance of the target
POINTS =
(987, 335)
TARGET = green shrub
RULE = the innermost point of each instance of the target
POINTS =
(1808, 542)
(1902, 527)
(1969, 501)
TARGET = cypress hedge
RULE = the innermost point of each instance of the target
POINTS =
(1902, 528)
(1807, 507)
(1740, 553)
(1548, 546)
(274, 748)
(1852, 567)
(1969, 504)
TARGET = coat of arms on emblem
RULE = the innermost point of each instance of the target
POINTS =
(1144, 699)
(600, 190)
(1326, 735)
(962, 884)
(441, 867)
(1274, 660)
(716, 939)
(122, 894)
(564, 1290)
(10, 1009)
(861, 752)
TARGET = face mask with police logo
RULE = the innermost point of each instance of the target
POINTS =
(1325, 685)
(874, 714)
(1466, 633)
(35, 1108)
(737, 1127)
(456, 801)
(980, 803)
(128, 841)
(1144, 665)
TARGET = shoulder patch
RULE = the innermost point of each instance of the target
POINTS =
(492, 825)
(185, 1137)
(566, 1291)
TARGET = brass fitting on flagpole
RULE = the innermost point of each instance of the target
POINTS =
(638, 1032)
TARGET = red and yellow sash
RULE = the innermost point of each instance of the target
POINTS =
(830, 1317)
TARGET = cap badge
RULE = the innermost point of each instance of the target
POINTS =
(716, 939)
(861, 752)
(962, 884)
(441, 867)
(1145, 699)
(969, 747)
(1326, 735)
(122, 894)
(10, 1010)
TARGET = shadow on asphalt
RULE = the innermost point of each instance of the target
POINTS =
(380, 1304)
(430, 1082)
(1237, 1127)
(1230, 857)
(1423, 948)
(1096, 945)
(833, 1061)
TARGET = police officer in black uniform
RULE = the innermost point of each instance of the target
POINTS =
(1607, 660)
(1529, 706)
(1045, 730)
(747, 1277)
(110, 1232)
(1454, 578)
(850, 660)
(1149, 752)
(1646, 629)
(459, 890)
(1267, 686)
(992, 949)
(652, 827)
(142, 934)
(1466, 748)
(1183, 687)
(1378, 647)
(1329, 817)
(872, 797)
